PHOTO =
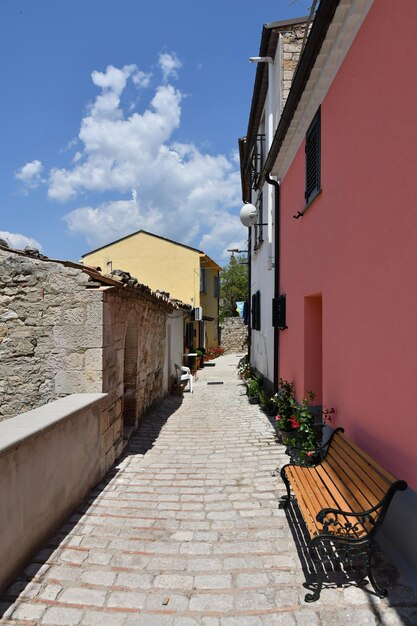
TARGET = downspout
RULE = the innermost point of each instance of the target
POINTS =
(249, 305)
(218, 312)
(277, 268)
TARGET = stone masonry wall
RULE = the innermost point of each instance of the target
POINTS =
(119, 307)
(234, 335)
(58, 337)
(291, 42)
(50, 338)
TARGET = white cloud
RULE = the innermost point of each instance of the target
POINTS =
(141, 79)
(169, 64)
(18, 241)
(156, 183)
(30, 174)
(119, 217)
(113, 79)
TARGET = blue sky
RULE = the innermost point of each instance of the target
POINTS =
(118, 115)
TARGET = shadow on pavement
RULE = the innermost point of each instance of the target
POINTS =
(26, 583)
(401, 598)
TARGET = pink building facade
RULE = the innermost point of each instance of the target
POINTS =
(348, 253)
(348, 265)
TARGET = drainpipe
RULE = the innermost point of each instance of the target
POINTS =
(277, 271)
(249, 305)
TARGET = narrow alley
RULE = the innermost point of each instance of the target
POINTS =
(186, 531)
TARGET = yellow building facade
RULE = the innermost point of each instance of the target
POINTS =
(185, 273)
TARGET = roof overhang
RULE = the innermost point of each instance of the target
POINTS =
(268, 47)
(334, 28)
(207, 262)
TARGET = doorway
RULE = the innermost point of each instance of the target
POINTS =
(130, 374)
(313, 347)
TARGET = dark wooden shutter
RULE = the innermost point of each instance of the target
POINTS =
(313, 159)
(279, 313)
(256, 311)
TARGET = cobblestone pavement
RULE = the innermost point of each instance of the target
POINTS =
(186, 531)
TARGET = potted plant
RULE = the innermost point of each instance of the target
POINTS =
(303, 444)
(253, 388)
(244, 369)
(305, 436)
(284, 400)
(200, 358)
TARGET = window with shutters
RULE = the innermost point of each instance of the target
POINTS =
(203, 280)
(313, 159)
(259, 232)
(256, 311)
(216, 286)
(279, 312)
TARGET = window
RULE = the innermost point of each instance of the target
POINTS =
(256, 310)
(189, 335)
(279, 314)
(216, 286)
(203, 280)
(259, 232)
(256, 159)
(313, 159)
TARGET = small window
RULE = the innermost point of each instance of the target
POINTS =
(189, 335)
(259, 231)
(216, 286)
(256, 311)
(313, 159)
(203, 280)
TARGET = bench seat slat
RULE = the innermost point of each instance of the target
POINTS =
(344, 498)
(356, 500)
(377, 478)
(355, 482)
(361, 476)
(315, 490)
(388, 477)
(306, 499)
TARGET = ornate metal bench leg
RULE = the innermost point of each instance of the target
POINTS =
(382, 593)
(285, 499)
(315, 555)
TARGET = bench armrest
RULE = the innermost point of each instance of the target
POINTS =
(338, 522)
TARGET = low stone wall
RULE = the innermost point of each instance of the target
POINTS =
(234, 335)
(61, 333)
(50, 333)
(49, 460)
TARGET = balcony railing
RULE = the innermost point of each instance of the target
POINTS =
(256, 160)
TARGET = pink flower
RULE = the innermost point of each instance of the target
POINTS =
(310, 453)
(278, 417)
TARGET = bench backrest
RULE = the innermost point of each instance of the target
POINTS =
(361, 483)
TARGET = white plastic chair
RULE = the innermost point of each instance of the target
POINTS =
(184, 375)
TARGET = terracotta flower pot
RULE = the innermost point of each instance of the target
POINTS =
(286, 435)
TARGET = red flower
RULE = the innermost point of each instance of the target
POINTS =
(294, 422)
(310, 453)
(278, 417)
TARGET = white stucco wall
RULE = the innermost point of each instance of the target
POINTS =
(174, 345)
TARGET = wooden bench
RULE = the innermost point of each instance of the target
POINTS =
(343, 500)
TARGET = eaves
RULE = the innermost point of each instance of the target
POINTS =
(268, 47)
(334, 28)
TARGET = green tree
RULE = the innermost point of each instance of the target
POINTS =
(233, 285)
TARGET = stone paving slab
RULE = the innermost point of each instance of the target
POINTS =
(186, 531)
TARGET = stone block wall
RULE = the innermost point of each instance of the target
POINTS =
(62, 334)
(291, 43)
(121, 306)
(50, 333)
(234, 335)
